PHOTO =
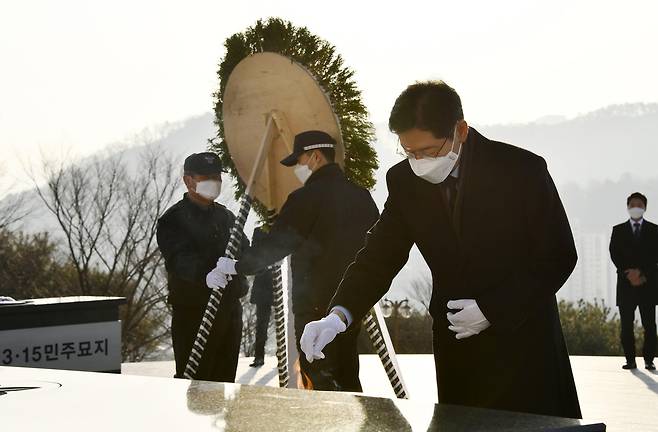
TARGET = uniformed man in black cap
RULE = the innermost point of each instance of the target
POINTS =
(192, 235)
(322, 225)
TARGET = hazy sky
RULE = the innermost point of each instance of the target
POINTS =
(81, 74)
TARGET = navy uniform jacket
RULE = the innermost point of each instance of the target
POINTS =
(322, 225)
(191, 239)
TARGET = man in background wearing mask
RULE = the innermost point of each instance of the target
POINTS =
(322, 225)
(489, 222)
(192, 234)
(634, 251)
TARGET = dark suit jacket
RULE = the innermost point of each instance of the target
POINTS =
(508, 245)
(628, 253)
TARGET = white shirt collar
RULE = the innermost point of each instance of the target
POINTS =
(633, 222)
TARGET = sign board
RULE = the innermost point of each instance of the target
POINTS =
(84, 347)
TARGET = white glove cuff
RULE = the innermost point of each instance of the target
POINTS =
(226, 265)
(335, 322)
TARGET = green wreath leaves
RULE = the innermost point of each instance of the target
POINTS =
(320, 58)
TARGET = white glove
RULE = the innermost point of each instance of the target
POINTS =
(226, 266)
(317, 334)
(217, 279)
(469, 321)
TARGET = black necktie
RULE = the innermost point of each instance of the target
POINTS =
(636, 231)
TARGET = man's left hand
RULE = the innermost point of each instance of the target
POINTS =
(469, 321)
(635, 277)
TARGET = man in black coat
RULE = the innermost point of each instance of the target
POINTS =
(321, 225)
(488, 220)
(192, 234)
(262, 296)
(634, 251)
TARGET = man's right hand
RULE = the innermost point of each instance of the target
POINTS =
(318, 334)
(217, 279)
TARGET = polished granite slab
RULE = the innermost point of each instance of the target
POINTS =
(57, 311)
(82, 401)
(624, 400)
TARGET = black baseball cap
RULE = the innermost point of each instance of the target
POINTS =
(306, 141)
(206, 163)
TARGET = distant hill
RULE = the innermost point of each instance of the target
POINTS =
(179, 140)
(596, 159)
(601, 145)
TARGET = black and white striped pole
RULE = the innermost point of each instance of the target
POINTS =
(280, 326)
(209, 314)
(378, 333)
(279, 319)
(232, 250)
(373, 322)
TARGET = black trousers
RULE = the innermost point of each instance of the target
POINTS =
(648, 316)
(220, 357)
(263, 312)
(339, 370)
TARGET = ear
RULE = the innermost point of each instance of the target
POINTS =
(189, 182)
(318, 155)
(462, 130)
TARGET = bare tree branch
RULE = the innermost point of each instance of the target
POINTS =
(108, 213)
(420, 290)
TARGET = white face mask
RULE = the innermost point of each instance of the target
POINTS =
(437, 169)
(303, 172)
(636, 212)
(209, 189)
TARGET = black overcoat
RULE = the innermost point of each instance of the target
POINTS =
(508, 245)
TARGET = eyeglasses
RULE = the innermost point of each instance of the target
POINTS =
(429, 152)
